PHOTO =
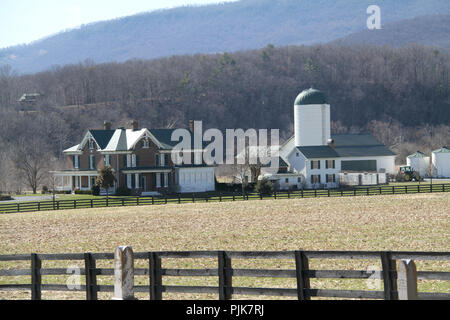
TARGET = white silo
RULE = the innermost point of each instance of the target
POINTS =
(311, 119)
(441, 162)
(419, 162)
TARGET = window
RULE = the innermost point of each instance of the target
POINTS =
(76, 162)
(286, 180)
(331, 178)
(299, 180)
(315, 164)
(315, 178)
(166, 160)
(91, 161)
(297, 154)
(157, 163)
(330, 164)
(107, 160)
(91, 144)
(146, 143)
(133, 161)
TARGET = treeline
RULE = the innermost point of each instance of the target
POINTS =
(394, 93)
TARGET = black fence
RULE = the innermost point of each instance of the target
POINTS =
(218, 197)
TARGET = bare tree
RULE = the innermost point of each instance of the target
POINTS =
(32, 161)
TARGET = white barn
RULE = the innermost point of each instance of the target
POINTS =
(319, 157)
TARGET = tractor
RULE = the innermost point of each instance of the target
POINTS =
(408, 174)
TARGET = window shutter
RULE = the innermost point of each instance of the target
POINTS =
(73, 161)
(125, 160)
(318, 165)
(137, 161)
(326, 164)
(312, 164)
(334, 164)
(334, 178)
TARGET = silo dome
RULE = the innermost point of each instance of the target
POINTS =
(311, 96)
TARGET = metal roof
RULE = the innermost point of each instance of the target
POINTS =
(444, 149)
(318, 152)
(311, 96)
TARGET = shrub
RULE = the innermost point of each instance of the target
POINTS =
(5, 198)
(123, 191)
(83, 191)
(264, 186)
(95, 190)
(45, 190)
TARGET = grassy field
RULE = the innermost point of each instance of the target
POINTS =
(419, 222)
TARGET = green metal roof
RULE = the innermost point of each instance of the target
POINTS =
(444, 149)
(312, 152)
(418, 154)
(359, 145)
(102, 137)
(311, 96)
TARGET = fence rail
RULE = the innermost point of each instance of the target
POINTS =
(225, 272)
(218, 197)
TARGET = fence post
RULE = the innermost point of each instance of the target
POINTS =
(18, 207)
(57, 205)
(137, 201)
(390, 285)
(220, 196)
(301, 268)
(92, 203)
(91, 277)
(407, 280)
(179, 199)
(225, 276)
(36, 279)
(155, 276)
(124, 273)
(74, 204)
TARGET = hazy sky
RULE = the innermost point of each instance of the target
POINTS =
(22, 21)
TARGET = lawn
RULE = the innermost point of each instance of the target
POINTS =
(418, 222)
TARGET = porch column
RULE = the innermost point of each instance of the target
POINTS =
(136, 179)
(158, 180)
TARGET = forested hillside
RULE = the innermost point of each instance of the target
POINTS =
(242, 25)
(401, 95)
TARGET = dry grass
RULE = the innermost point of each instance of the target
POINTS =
(404, 222)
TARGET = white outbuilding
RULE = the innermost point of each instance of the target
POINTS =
(419, 162)
(440, 159)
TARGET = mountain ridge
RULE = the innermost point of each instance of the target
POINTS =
(226, 27)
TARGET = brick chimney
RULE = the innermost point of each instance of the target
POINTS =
(191, 125)
(107, 125)
(134, 125)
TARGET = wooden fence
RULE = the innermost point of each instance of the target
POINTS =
(394, 285)
(218, 197)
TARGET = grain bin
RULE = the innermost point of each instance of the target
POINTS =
(440, 159)
(419, 162)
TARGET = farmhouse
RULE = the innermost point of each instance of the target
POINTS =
(316, 158)
(141, 160)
